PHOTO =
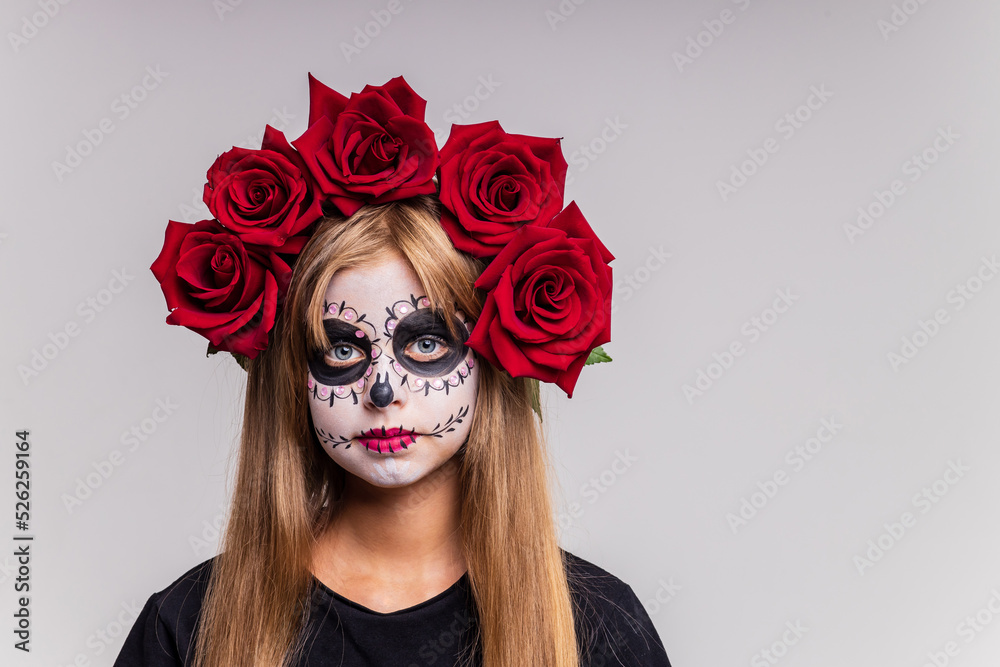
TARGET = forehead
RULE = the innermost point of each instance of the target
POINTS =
(375, 285)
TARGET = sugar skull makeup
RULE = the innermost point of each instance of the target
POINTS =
(392, 395)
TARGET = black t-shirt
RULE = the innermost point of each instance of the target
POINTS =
(612, 626)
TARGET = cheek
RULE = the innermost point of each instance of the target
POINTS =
(331, 394)
(461, 376)
(450, 410)
(332, 413)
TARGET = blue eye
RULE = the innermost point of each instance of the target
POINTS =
(426, 348)
(344, 355)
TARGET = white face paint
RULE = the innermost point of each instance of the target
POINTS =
(393, 396)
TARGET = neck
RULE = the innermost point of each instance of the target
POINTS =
(413, 529)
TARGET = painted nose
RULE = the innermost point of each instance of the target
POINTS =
(381, 392)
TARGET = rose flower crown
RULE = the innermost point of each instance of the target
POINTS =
(547, 282)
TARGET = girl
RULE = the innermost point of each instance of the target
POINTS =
(391, 504)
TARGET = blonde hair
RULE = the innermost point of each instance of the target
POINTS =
(286, 486)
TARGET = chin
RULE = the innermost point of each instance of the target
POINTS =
(399, 471)
(388, 472)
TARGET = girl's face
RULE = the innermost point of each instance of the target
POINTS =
(392, 397)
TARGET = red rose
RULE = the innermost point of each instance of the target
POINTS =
(548, 302)
(374, 147)
(492, 183)
(263, 195)
(219, 287)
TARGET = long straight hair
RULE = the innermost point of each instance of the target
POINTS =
(286, 486)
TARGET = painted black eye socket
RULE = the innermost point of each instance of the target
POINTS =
(423, 345)
(347, 357)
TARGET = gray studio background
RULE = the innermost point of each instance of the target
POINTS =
(875, 350)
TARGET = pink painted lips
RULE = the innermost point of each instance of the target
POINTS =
(384, 439)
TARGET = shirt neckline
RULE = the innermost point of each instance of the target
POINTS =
(448, 592)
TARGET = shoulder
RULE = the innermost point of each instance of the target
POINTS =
(613, 628)
(586, 578)
(162, 633)
(183, 597)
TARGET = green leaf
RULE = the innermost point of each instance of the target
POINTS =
(597, 356)
(241, 359)
(536, 397)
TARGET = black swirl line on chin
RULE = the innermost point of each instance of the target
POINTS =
(449, 425)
